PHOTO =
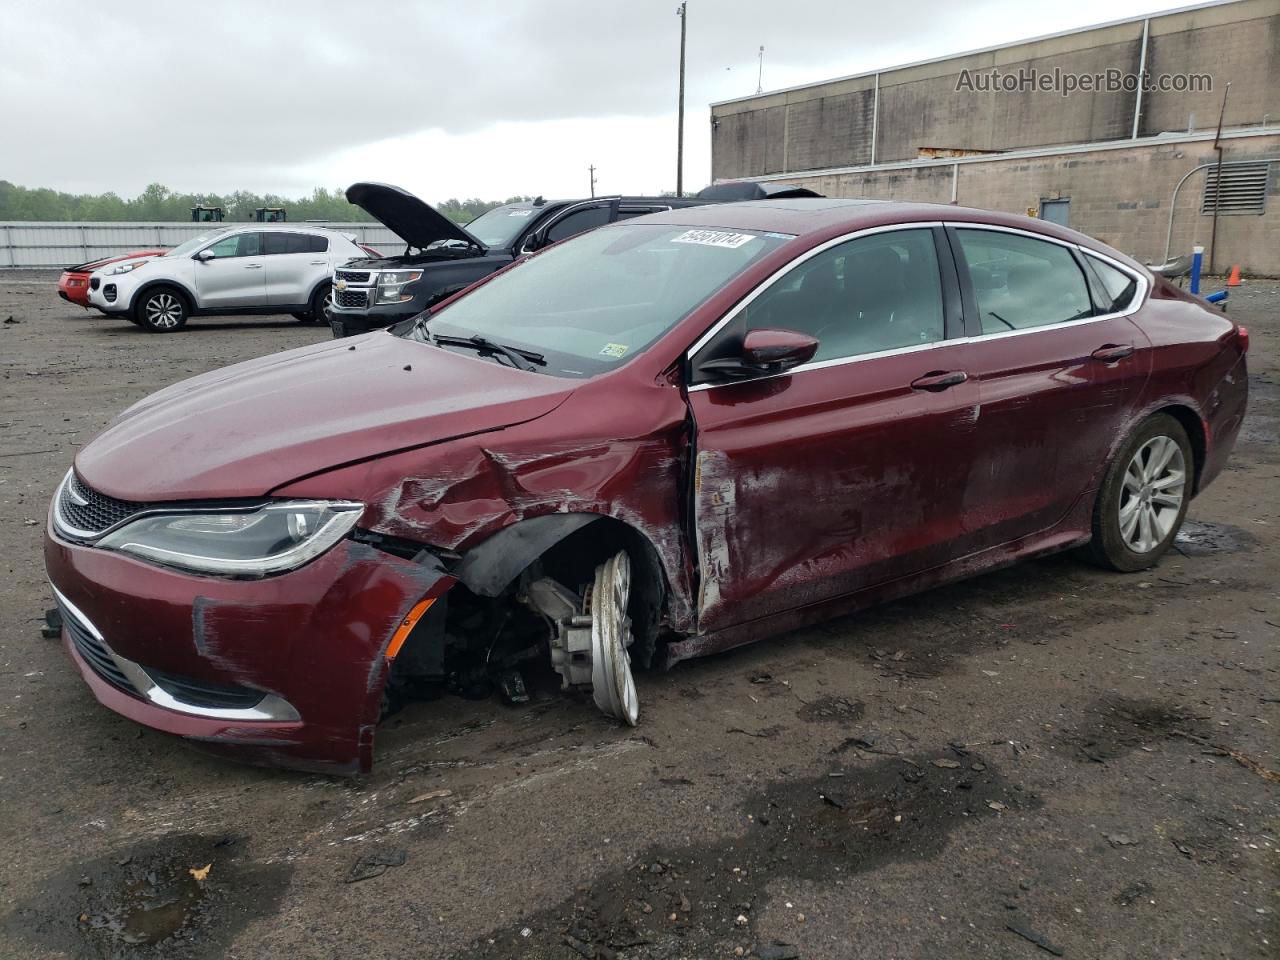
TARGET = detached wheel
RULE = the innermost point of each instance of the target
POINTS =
(321, 300)
(1144, 497)
(161, 310)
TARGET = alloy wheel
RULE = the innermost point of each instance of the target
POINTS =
(164, 311)
(1152, 494)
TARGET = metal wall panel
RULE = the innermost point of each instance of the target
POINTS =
(34, 244)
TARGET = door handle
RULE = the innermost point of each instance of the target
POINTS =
(1112, 352)
(253, 266)
(319, 263)
(937, 382)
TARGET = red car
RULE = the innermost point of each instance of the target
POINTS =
(656, 440)
(73, 285)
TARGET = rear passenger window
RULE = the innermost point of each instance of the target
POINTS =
(317, 243)
(1020, 283)
(274, 243)
(1118, 287)
(879, 292)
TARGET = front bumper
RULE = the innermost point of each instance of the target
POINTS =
(186, 649)
(352, 323)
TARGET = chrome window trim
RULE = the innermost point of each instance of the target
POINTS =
(1139, 299)
(792, 265)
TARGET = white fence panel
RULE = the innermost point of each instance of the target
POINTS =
(35, 244)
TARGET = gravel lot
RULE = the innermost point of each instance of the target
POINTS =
(1049, 752)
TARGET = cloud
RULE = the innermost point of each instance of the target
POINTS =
(520, 94)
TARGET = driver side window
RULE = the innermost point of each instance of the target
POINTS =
(874, 293)
(237, 245)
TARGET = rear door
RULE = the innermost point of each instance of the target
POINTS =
(1058, 373)
(294, 264)
(233, 277)
(846, 471)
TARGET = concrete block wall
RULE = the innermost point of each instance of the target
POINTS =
(830, 124)
(1120, 196)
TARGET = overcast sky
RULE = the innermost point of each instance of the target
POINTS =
(483, 98)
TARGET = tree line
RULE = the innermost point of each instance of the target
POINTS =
(158, 202)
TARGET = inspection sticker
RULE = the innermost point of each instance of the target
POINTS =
(519, 213)
(614, 350)
(714, 238)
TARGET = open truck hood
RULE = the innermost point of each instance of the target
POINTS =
(416, 223)
(247, 429)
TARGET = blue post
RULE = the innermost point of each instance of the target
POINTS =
(1197, 257)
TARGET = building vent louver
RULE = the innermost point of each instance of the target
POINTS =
(1243, 188)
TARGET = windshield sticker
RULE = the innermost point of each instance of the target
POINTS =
(714, 238)
(519, 213)
(614, 350)
(779, 236)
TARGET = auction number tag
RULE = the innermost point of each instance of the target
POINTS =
(714, 238)
(519, 213)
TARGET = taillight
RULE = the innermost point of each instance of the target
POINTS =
(1242, 334)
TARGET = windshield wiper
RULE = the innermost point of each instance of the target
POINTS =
(520, 359)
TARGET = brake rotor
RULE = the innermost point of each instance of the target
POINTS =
(612, 685)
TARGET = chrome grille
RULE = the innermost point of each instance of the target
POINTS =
(350, 298)
(83, 509)
(351, 276)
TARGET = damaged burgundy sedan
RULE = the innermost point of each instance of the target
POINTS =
(657, 440)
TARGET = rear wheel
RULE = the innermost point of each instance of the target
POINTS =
(161, 310)
(1144, 497)
(321, 300)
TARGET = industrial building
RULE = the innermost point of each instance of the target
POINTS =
(1060, 127)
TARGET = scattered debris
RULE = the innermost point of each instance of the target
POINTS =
(52, 628)
(946, 764)
(1182, 848)
(200, 872)
(871, 742)
(768, 733)
(1121, 840)
(431, 795)
(1039, 939)
(374, 865)
(832, 709)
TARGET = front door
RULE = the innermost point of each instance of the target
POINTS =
(843, 472)
(233, 276)
(1057, 373)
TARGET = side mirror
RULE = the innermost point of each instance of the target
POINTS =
(765, 351)
(205, 255)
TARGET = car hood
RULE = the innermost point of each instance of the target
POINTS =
(416, 223)
(247, 429)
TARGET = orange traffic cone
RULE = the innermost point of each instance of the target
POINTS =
(1233, 279)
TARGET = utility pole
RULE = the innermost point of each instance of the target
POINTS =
(760, 73)
(682, 13)
(591, 169)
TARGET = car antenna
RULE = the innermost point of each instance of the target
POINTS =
(539, 201)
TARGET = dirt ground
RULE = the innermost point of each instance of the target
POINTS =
(1045, 760)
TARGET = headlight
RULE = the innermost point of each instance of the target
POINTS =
(120, 268)
(391, 284)
(254, 543)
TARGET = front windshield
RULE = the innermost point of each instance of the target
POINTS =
(499, 227)
(592, 303)
(195, 243)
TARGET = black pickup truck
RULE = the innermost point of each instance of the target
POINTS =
(441, 257)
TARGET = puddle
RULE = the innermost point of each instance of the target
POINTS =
(179, 897)
(700, 900)
(1197, 539)
(1117, 727)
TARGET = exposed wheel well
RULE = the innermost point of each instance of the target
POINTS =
(1191, 422)
(187, 300)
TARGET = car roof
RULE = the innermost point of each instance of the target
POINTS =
(804, 216)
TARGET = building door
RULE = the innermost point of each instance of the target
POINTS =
(1055, 211)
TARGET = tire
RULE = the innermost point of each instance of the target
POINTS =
(319, 309)
(1150, 481)
(161, 310)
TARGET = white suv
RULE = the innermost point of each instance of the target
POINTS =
(255, 268)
